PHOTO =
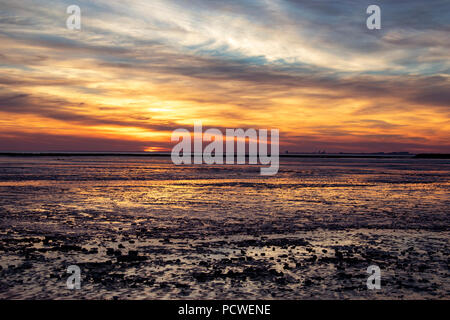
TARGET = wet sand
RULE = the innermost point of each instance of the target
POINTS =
(145, 229)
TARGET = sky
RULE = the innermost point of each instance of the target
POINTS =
(138, 69)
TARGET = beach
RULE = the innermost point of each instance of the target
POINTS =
(143, 228)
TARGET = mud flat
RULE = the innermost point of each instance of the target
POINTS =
(309, 233)
(309, 264)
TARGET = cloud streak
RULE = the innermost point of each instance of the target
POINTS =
(140, 69)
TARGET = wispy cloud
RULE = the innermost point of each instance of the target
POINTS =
(139, 69)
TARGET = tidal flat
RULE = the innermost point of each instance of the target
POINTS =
(143, 228)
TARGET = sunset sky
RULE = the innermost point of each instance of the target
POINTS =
(137, 70)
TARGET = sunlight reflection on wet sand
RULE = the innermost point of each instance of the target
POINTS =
(223, 231)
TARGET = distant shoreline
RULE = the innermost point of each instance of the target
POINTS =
(293, 155)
